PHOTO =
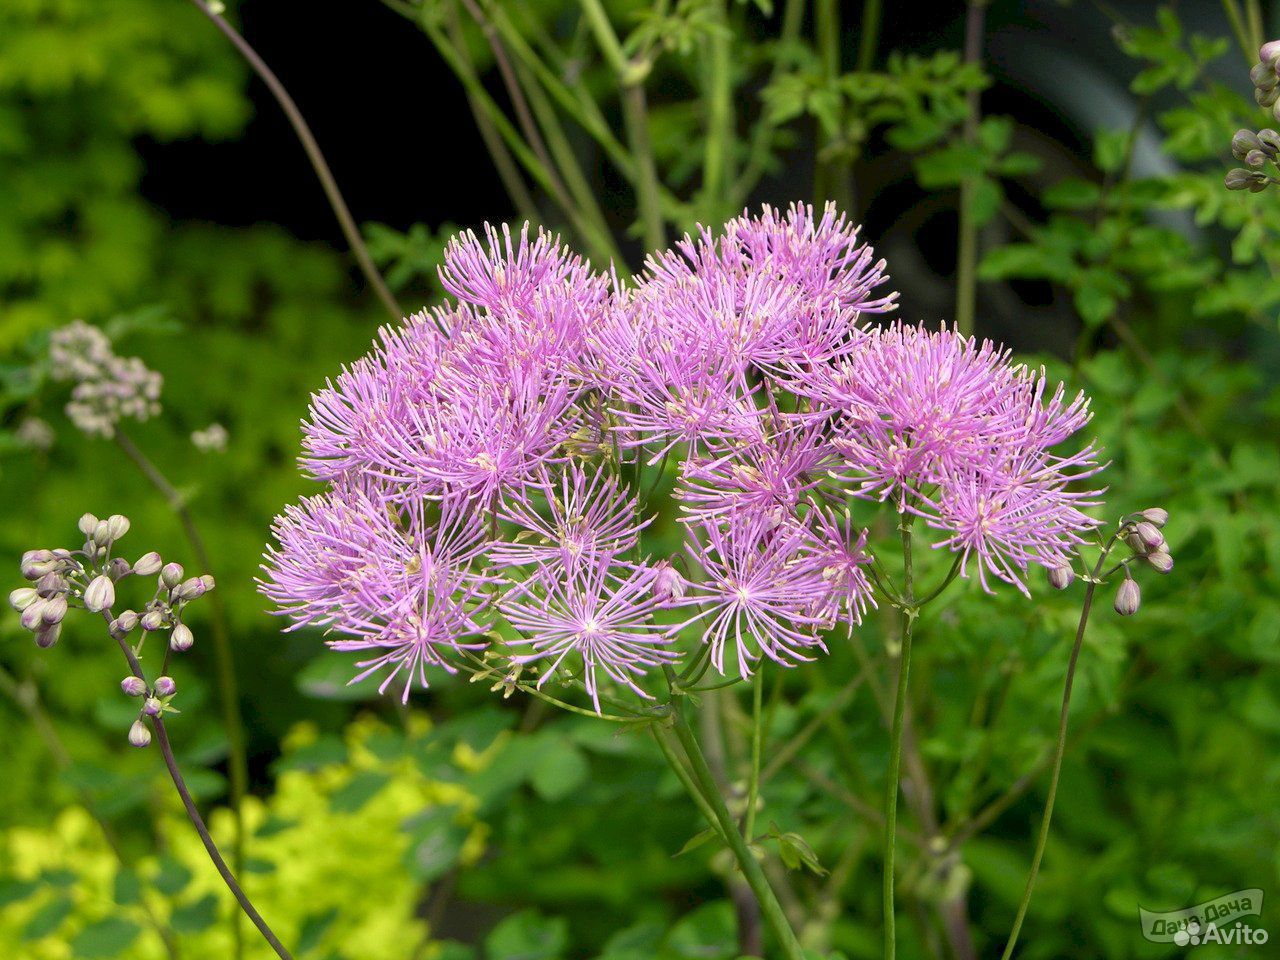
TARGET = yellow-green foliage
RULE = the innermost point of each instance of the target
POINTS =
(326, 867)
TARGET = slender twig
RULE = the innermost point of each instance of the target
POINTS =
(27, 698)
(631, 75)
(1059, 749)
(909, 613)
(312, 148)
(833, 181)
(717, 164)
(757, 746)
(1232, 10)
(704, 781)
(870, 37)
(193, 814)
(223, 656)
(967, 253)
(758, 153)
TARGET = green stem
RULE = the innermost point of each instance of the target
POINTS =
(909, 613)
(758, 154)
(967, 253)
(757, 746)
(193, 814)
(770, 909)
(718, 158)
(636, 115)
(1232, 10)
(312, 148)
(832, 178)
(1059, 750)
(223, 657)
(870, 38)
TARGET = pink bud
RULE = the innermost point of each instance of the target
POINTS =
(139, 735)
(1128, 598)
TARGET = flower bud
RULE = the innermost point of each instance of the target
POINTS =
(181, 639)
(208, 581)
(152, 620)
(1149, 536)
(100, 594)
(165, 687)
(22, 598)
(1161, 560)
(152, 707)
(1266, 97)
(133, 686)
(1157, 515)
(33, 616)
(139, 734)
(1238, 179)
(117, 526)
(127, 620)
(1061, 577)
(47, 635)
(148, 564)
(171, 575)
(50, 584)
(1243, 142)
(190, 589)
(101, 533)
(1255, 158)
(1268, 52)
(1128, 598)
(87, 523)
(118, 568)
(1263, 76)
(55, 608)
(667, 582)
(1269, 142)
(35, 569)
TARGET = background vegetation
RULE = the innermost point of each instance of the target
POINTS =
(1103, 245)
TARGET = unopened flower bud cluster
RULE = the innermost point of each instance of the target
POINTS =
(108, 388)
(1257, 150)
(87, 578)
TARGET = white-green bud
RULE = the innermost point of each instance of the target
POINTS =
(127, 620)
(118, 568)
(1149, 536)
(152, 707)
(1061, 577)
(55, 608)
(33, 616)
(1157, 515)
(139, 734)
(117, 526)
(190, 589)
(1161, 560)
(181, 639)
(22, 598)
(171, 575)
(208, 581)
(100, 594)
(133, 686)
(50, 584)
(1128, 598)
(152, 620)
(87, 524)
(148, 564)
(47, 635)
(101, 533)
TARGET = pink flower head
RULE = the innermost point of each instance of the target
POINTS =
(760, 590)
(600, 611)
(840, 551)
(589, 518)
(389, 578)
(771, 474)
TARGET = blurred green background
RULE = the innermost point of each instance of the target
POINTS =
(147, 185)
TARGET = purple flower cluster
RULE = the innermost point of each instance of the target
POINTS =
(108, 388)
(487, 462)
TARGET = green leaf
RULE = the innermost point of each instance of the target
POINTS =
(561, 769)
(697, 840)
(1072, 195)
(172, 877)
(528, 935)
(358, 791)
(313, 930)
(106, 938)
(195, 917)
(48, 918)
(435, 841)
